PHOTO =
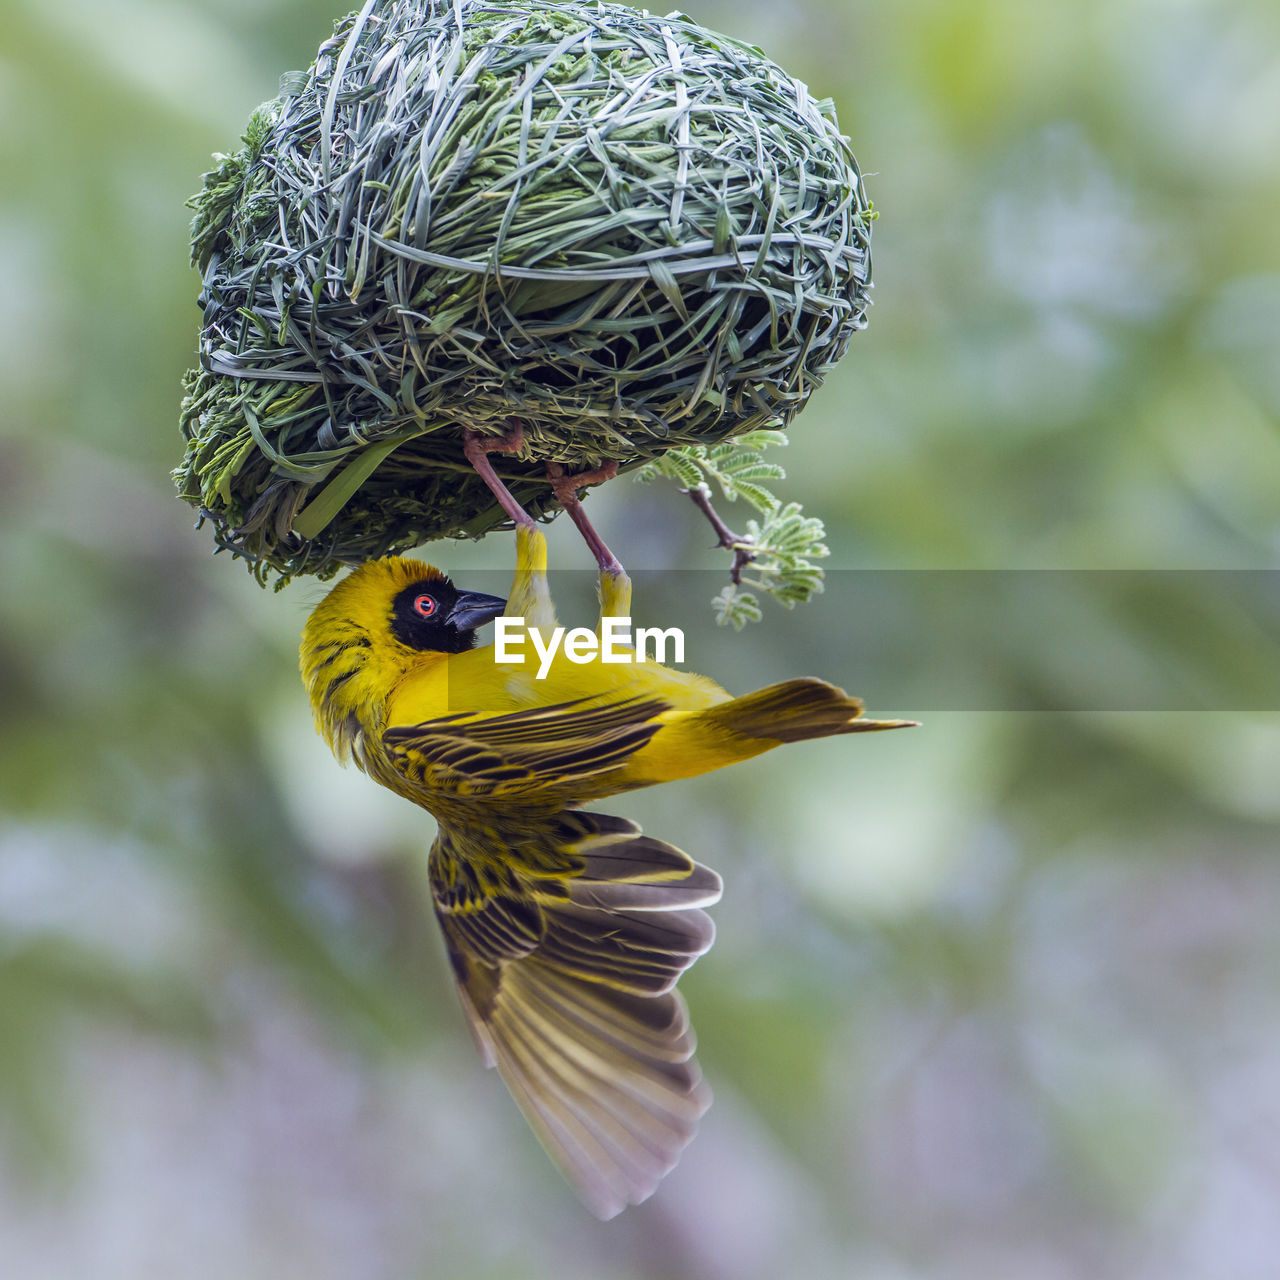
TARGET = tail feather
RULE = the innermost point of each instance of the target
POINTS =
(580, 1016)
(793, 711)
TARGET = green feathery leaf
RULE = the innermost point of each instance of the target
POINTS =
(735, 607)
(782, 546)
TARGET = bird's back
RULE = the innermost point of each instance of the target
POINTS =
(476, 683)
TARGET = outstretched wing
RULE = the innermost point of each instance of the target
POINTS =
(522, 752)
(566, 954)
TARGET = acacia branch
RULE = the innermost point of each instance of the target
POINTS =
(730, 541)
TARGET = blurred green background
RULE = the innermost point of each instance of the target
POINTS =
(999, 997)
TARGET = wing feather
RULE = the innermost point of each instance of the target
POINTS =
(522, 751)
(579, 1014)
(614, 1129)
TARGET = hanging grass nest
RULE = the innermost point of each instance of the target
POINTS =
(624, 232)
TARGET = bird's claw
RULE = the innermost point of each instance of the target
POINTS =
(566, 486)
(476, 445)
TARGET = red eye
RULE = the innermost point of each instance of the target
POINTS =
(424, 606)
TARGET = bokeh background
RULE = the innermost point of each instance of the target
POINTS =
(999, 997)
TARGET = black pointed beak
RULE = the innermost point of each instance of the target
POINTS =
(473, 609)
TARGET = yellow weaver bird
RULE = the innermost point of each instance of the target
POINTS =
(566, 930)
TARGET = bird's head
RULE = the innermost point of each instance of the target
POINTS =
(429, 614)
(406, 604)
(372, 627)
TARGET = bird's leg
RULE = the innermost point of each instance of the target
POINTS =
(566, 487)
(615, 594)
(477, 449)
(530, 596)
(615, 586)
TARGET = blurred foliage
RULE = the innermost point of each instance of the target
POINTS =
(995, 997)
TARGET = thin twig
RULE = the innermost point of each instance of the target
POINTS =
(730, 541)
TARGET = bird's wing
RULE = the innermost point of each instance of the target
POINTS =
(567, 973)
(522, 752)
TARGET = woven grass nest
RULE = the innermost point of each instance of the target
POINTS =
(624, 232)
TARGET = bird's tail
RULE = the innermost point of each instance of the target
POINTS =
(792, 712)
(566, 961)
